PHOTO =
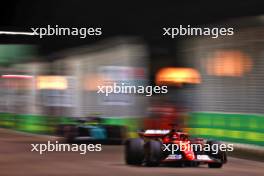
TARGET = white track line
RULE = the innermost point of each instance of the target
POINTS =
(16, 33)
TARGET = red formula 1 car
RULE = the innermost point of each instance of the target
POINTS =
(155, 147)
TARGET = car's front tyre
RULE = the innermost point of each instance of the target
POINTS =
(153, 153)
(218, 155)
(134, 151)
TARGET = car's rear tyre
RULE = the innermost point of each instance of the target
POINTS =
(134, 151)
(69, 133)
(219, 155)
(153, 153)
(117, 133)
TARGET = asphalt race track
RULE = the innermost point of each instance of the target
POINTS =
(17, 159)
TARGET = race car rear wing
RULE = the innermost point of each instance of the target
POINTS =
(154, 133)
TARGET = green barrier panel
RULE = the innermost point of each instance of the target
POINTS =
(32, 123)
(132, 124)
(7, 120)
(48, 125)
(28, 123)
(242, 128)
(66, 121)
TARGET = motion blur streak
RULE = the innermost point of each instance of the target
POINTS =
(16, 33)
(14, 155)
(229, 63)
(17, 76)
(52, 82)
(178, 76)
(215, 91)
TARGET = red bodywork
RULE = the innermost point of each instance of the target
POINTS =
(175, 137)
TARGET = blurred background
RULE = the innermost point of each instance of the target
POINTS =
(215, 86)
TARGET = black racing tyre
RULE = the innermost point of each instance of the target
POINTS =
(153, 153)
(59, 130)
(215, 165)
(219, 155)
(69, 133)
(134, 151)
(115, 131)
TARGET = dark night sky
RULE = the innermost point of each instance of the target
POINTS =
(116, 18)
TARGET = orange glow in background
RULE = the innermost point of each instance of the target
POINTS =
(229, 63)
(52, 82)
(177, 76)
